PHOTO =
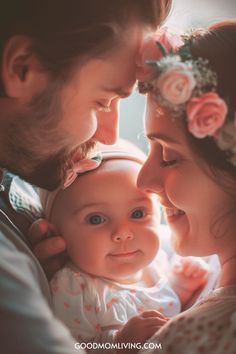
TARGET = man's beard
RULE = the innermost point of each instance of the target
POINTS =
(50, 173)
(35, 148)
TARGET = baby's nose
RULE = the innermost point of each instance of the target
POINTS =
(122, 236)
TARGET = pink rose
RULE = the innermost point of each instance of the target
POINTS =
(206, 114)
(176, 84)
(150, 51)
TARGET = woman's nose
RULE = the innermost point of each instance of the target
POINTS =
(150, 178)
(120, 236)
(108, 125)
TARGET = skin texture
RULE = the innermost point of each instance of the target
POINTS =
(45, 121)
(110, 228)
(104, 211)
(182, 183)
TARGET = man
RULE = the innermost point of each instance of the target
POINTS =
(65, 64)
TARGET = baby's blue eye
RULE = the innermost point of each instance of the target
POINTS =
(137, 214)
(96, 219)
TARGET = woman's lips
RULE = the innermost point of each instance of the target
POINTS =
(173, 214)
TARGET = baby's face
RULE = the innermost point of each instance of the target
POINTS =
(109, 225)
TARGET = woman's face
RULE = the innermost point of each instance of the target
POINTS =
(192, 201)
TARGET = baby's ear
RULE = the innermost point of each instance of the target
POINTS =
(22, 74)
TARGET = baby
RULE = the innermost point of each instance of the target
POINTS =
(115, 289)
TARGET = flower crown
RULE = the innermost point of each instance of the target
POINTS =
(186, 86)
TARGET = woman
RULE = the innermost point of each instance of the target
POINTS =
(190, 124)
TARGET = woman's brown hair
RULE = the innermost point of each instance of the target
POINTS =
(218, 46)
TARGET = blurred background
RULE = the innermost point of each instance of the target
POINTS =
(185, 15)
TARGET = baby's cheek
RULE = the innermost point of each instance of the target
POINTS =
(75, 253)
(153, 242)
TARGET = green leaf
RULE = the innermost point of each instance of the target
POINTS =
(162, 48)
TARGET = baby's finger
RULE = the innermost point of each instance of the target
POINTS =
(152, 313)
(200, 272)
(189, 266)
(154, 321)
(196, 269)
(49, 248)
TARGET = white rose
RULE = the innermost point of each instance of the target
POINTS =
(176, 84)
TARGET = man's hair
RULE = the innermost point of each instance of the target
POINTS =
(63, 30)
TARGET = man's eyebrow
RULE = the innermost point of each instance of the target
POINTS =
(119, 91)
(162, 137)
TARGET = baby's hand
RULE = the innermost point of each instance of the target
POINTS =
(188, 274)
(140, 328)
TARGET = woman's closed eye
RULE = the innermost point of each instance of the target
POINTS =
(168, 163)
(169, 158)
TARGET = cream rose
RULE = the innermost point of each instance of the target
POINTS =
(206, 114)
(176, 84)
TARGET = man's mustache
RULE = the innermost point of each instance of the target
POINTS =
(79, 153)
(50, 173)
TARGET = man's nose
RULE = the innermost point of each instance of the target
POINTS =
(108, 125)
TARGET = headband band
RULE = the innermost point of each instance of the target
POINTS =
(123, 150)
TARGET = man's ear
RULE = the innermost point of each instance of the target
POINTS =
(22, 74)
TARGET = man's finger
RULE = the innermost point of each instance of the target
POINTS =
(55, 264)
(39, 230)
(49, 248)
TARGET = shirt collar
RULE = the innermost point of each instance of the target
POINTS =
(22, 196)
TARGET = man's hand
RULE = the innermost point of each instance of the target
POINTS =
(47, 246)
(140, 328)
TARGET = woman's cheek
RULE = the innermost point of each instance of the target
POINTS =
(177, 191)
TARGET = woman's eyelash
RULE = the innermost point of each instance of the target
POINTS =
(168, 163)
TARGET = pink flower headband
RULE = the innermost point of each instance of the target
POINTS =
(77, 168)
(122, 150)
(186, 86)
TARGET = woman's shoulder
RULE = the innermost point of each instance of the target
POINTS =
(208, 327)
